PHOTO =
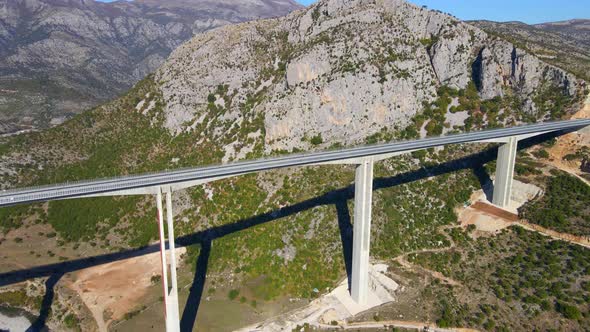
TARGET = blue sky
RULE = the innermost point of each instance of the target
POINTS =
(529, 11)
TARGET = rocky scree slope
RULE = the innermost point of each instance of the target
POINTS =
(59, 57)
(341, 71)
(563, 44)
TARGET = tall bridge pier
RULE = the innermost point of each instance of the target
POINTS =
(362, 157)
(505, 172)
(171, 308)
(361, 242)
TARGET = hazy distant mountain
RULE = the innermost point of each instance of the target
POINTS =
(565, 44)
(577, 29)
(58, 57)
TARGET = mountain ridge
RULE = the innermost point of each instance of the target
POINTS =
(311, 65)
(561, 47)
(64, 56)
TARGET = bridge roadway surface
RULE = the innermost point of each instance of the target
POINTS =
(105, 186)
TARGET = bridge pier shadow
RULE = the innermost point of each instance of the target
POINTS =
(345, 227)
(189, 315)
(485, 181)
(339, 198)
(39, 324)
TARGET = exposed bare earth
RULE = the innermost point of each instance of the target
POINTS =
(128, 282)
(495, 211)
(570, 143)
(488, 218)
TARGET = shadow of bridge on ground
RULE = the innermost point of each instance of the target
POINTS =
(338, 198)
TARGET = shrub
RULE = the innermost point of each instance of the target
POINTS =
(317, 140)
(70, 321)
(568, 311)
(543, 154)
(233, 294)
(156, 279)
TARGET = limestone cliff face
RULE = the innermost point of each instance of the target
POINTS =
(500, 64)
(340, 70)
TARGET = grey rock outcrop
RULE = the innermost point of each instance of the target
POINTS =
(563, 44)
(340, 71)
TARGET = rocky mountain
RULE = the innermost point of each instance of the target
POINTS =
(564, 44)
(340, 73)
(578, 29)
(59, 57)
(343, 71)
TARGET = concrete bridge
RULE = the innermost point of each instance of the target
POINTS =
(165, 183)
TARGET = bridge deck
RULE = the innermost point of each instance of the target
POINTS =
(113, 185)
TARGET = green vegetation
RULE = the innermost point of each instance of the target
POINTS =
(83, 219)
(251, 253)
(435, 114)
(134, 313)
(20, 299)
(156, 279)
(71, 321)
(568, 311)
(12, 217)
(565, 207)
(533, 281)
(400, 204)
(428, 42)
(542, 154)
(233, 294)
(582, 154)
(552, 100)
(315, 14)
(317, 140)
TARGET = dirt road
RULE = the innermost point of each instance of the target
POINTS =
(570, 143)
(572, 239)
(402, 259)
(399, 324)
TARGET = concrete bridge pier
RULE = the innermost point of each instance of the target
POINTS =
(363, 196)
(173, 293)
(505, 172)
(171, 310)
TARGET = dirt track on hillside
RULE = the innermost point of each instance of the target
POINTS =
(570, 143)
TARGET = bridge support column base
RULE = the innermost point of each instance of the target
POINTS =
(505, 172)
(363, 195)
